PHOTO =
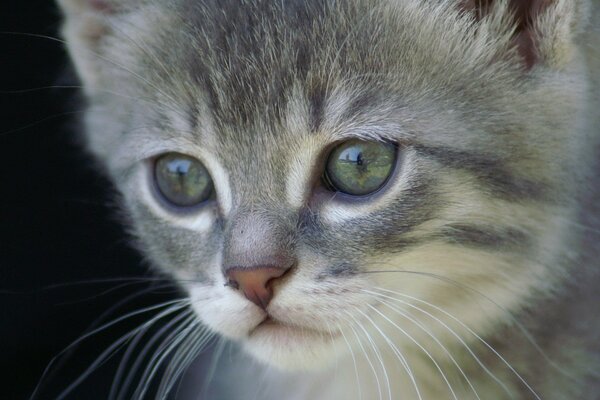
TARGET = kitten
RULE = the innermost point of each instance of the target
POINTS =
(373, 199)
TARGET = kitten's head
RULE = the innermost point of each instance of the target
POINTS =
(310, 169)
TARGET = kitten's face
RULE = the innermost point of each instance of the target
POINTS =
(258, 101)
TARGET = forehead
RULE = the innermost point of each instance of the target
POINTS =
(246, 61)
(262, 84)
(253, 77)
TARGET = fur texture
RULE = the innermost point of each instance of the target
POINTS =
(473, 274)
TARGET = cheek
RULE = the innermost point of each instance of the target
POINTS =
(183, 253)
(319, 300)
(457, 285)
(184, 256)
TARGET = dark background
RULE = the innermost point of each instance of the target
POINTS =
(64, 259)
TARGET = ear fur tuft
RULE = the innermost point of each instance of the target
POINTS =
(81, 6)
(86, 23)
(544, 30)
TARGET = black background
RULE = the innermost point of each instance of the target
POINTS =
(59, 235)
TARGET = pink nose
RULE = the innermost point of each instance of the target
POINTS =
(255, 283)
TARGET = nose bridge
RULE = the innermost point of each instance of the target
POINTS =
(258, 239)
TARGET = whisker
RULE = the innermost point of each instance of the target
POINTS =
(186, 352)
(397, 353)
(76, 87)
(169, 344)
(213, 366)
(417, 323)
(108, 291)
(141, 79)
(41, 121)
(141, 356)
(528, 336)
(133, 279)
(333, 345)
(115, 391)
(353, 361)
(460, 339)
(485, 343)
(125, 359)
(367, 356)
(199, 342)
(106, 354)
(40, 88)
(65, 357)
(420, 347)
(175, 305)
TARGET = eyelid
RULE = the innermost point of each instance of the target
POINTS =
(147, 147)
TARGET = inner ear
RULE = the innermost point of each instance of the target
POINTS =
(524, 14)
(78, 6)
(86, 24)
(88, 18)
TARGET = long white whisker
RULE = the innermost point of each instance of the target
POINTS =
(120, 393)
(368, 361)
(353, 361)
(124, 360)
(59, 360)
(337, 356)
(514, 320)
(110, 61)
(420, 347)
(398, 354)
(456, 335)
(176, 305)
(106, 354)
(169, 344)
(485, 343)
(424, 329)
(202, 341)
(182, 358)
(216, 357)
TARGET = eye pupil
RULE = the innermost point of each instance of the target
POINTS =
(359, 167)
(182, 181)
(359, 159)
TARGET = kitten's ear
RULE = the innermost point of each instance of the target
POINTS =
(544, 29)
(87, 24)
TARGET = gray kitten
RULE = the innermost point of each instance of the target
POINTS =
(374, 199)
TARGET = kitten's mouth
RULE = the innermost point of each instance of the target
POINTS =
(271, 325)
(291, 346)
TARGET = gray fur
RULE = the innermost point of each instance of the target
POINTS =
(490, 213)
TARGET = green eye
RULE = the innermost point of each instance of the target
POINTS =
(359, 167)
(182, 180)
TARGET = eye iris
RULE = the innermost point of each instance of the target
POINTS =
(359, 167)
(182, 180)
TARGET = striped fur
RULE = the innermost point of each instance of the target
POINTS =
(478, 260)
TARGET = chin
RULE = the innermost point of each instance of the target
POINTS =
(292, 348)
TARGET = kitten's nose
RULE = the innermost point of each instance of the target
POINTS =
(255, 283)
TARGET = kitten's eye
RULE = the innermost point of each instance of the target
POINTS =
(359, 167)
(182, 180)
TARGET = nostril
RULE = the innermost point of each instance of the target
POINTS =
(255, 283)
